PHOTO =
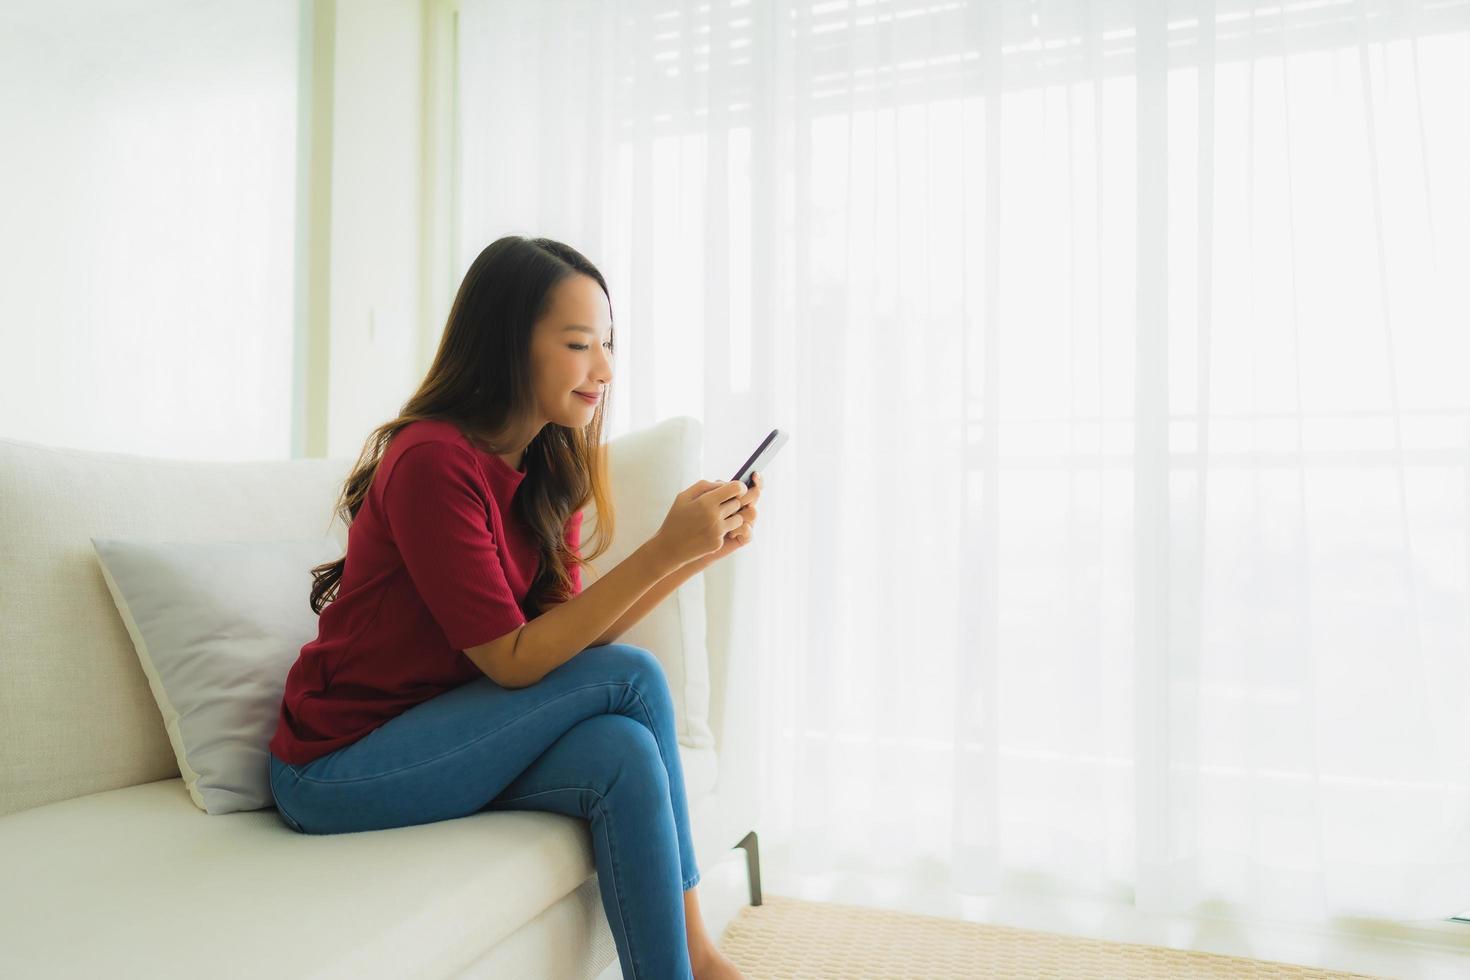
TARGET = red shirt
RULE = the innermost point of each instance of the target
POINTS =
(436, 562)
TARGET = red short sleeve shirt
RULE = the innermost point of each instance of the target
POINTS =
(436, 562)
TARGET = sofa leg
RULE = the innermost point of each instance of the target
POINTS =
(752, 865)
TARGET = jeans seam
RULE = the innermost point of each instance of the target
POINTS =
(477, 738)
(543, 792)
(611, 858)
(291, 821)
(664, 756)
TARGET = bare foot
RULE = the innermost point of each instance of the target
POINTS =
(711, 964)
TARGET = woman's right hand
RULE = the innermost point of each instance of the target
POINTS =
(699, 519)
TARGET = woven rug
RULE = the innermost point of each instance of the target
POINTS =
(793, 939)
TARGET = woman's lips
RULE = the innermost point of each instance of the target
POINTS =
(589, 399)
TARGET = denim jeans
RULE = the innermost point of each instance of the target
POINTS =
(594, 738)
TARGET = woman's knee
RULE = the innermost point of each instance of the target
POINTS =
(626, 654)
(641, 668)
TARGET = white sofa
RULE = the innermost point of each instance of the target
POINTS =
(110, 869)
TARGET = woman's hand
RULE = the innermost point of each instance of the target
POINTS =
(740, 536)
(698, 520)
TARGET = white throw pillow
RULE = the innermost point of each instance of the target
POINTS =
(217, 626)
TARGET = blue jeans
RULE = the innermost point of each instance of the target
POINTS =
(594, 738)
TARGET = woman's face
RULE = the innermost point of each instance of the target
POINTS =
(571, 351)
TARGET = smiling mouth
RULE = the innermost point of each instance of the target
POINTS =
(590, 398)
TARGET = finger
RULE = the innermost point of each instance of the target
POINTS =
(704, 487)
(723, 492)
(732, 506)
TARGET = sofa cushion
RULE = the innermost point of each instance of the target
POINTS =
(138, 882)
(217, 626)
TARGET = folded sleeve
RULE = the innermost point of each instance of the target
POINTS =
(574, 541)
(437, 513)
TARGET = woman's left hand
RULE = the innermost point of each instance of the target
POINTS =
(740, 537)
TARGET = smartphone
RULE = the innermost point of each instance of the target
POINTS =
(762, 455)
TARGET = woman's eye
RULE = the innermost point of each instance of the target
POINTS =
(608, 345)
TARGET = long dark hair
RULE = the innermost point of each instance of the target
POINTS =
(480, 380)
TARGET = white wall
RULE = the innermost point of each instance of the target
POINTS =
(375, 222)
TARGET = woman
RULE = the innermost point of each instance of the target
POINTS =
(459, 665)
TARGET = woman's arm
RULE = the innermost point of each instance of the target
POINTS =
(645, 603)
(665, 586)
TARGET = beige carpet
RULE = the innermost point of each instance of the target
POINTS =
(796, 940)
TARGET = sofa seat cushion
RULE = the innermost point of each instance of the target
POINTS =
(137, 881)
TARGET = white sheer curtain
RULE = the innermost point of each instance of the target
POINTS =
(1120, 548)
